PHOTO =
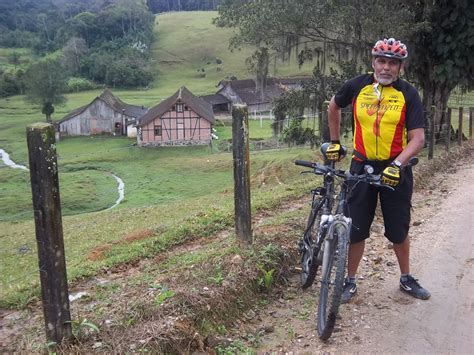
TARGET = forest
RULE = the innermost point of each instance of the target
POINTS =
(94, 41)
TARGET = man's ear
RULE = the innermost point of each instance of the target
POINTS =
(373, 61)
(402, 68)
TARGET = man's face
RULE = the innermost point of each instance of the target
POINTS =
(386, 70)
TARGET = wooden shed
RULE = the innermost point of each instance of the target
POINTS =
(181, 119)
(106, 114)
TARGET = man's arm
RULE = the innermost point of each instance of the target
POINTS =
(334, 120)
(416, 141)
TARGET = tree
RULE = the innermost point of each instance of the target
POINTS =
(73, 51)
(45, 81)
(442, 51)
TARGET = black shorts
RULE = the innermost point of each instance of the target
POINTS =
(395, 205)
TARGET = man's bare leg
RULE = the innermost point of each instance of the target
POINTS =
(402, 251)
(356, 250)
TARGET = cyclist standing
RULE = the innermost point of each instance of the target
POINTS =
(388, 131)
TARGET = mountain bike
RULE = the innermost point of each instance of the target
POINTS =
(326, 237)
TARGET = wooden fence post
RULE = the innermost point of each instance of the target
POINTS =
(448, 129)
(325, 132)
(240, 149)
(49, 231)
(471, 110)
(431, 122)
(460, 126)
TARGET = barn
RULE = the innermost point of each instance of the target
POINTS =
(181, 119)
(106, 114)
(246, 92)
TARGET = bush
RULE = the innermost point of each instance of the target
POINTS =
(75, 84)
(10, 84)
(296, 134)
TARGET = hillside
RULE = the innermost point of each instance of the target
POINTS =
(188, 42)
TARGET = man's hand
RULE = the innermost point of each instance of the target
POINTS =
(391, 175)
(335, 152)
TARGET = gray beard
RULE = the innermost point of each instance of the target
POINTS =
(384, 82)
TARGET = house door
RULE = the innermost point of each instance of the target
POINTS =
(180, 130)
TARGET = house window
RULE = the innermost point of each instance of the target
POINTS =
(179, 108)
(158, 131)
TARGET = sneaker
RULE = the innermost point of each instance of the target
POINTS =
(349, 290)
(410, 285)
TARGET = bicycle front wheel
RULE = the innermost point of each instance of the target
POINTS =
(309, 249)
(332, 283)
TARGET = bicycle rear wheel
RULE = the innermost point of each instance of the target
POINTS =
(310, 249)
(332, 283)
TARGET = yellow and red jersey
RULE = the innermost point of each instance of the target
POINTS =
(382, 115)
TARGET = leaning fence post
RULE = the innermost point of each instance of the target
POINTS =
(49, 231)
(460, 126)
(431, 122)
(448, 129)
(240, 149)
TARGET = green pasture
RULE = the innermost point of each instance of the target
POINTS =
(171, 195)
(188, 41)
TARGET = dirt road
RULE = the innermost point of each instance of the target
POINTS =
(381, 319)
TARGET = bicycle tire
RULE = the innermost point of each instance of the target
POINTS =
(309, 268)
(337, 257)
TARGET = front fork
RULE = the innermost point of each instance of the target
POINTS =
(340, 221)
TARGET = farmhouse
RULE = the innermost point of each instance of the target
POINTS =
(106, 114)
(181, 119)
(246, 92)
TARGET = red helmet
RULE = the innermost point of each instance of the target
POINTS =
(390, 48)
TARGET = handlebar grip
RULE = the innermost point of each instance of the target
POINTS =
(308, 164)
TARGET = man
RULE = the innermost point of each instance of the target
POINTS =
(388, 131)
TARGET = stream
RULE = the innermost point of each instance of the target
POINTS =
(120, 184)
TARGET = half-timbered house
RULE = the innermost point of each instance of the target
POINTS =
(106, 114)
(181, 119)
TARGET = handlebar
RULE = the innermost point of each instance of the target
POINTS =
(368, 176)
(308, 164)
(320, 169)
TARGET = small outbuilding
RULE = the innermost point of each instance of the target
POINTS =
(181, 119)
(106, 114)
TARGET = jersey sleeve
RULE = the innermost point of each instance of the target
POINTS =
(345, 94)
(414, 115)
(350, 89)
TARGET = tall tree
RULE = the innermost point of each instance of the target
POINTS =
(45, 81)
(442, 49)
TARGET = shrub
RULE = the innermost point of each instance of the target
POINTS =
(296, 134)
(75, 84)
